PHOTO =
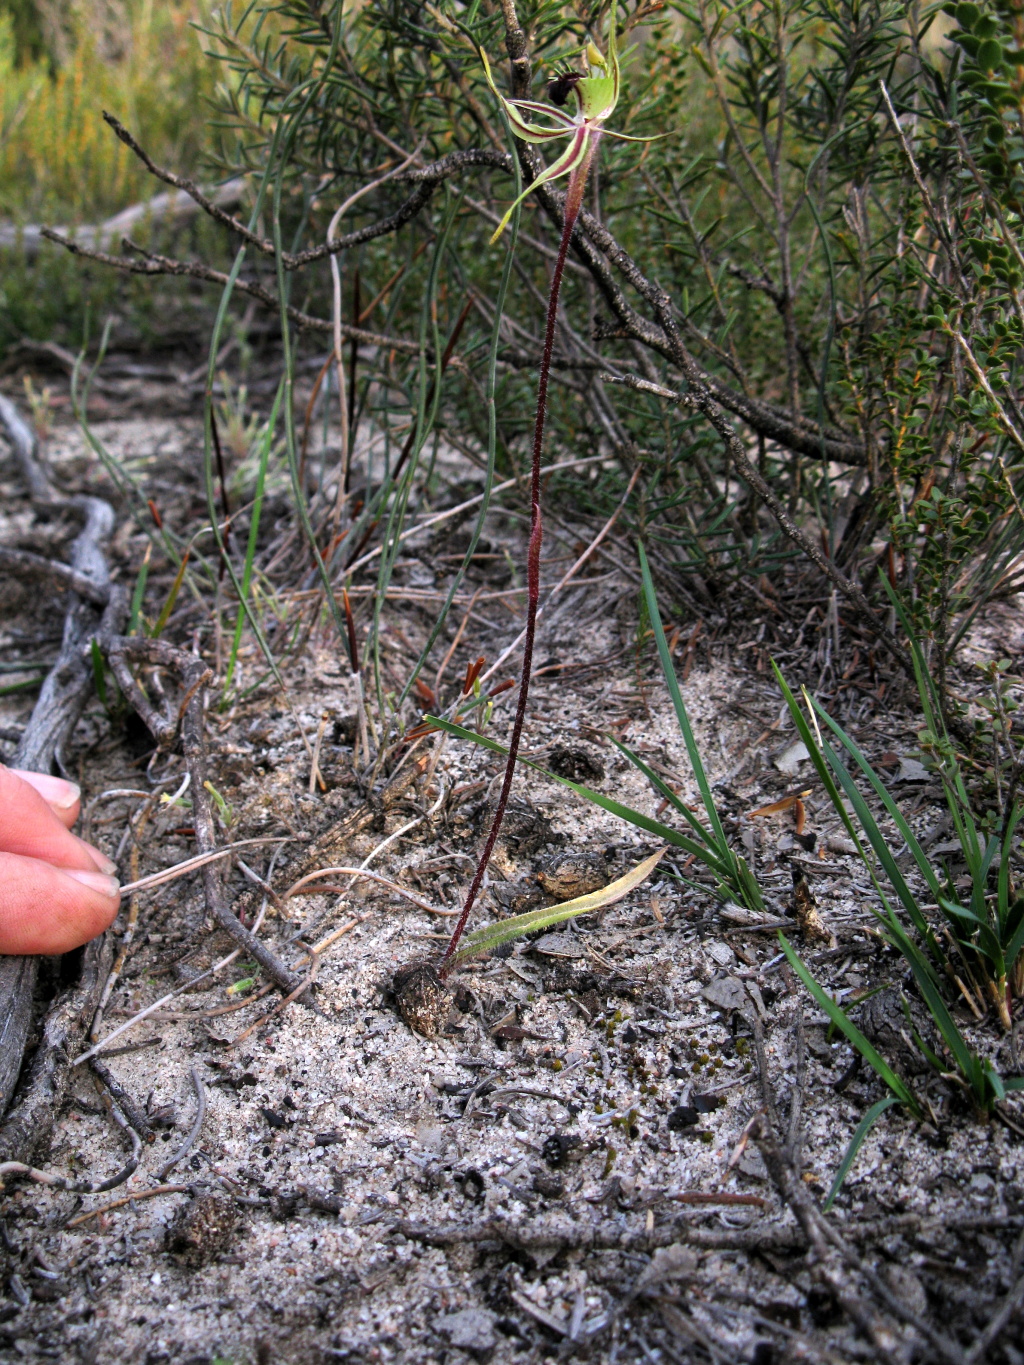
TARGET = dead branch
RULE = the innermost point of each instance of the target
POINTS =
(128, 1107)
(578, 1233)
(56, 712)
(193, 1132)
(700, 399)
(46, 1086)
(60, 1182)
(152, 263)
(798, 433)
(60, 574)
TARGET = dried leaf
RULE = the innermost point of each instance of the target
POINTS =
(806, 910)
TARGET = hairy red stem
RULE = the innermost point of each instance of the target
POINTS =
(573, 202)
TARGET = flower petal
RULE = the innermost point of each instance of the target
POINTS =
(630, 137)
(533, 132)
(568, 161)
(548, 110)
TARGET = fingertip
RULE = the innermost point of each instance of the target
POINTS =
(106, 865)
(99, 882)
(49, 910)
(62, 795)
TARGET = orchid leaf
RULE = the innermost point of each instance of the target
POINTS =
(494, 935)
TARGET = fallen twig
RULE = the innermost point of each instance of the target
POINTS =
(193, 1132)
(356, 873)
(131, 1111)
(60, 1182)
(567, 1231)
(127, 1199)
(174, 207)
(193, 674)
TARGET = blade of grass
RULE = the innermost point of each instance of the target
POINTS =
(254, 531)
(677, 701)
(172, 597)
(99, 673)
(906, 833)
(860, 1133)
(613, 807)
(849, 1029)
(736, 876)
(139, 593)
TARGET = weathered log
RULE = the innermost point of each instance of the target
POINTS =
(173, 207)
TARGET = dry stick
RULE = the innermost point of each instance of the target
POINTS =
(312, 955)
(763, 1079)
(141, 820)
(794, 1132)
(129, 1108)
(1009, 1308)
(346, 434)
(193, 1132)
(828, 1266)
(170, 874)
(578, 1233)
(60, 1182)
(126, 1199)
(831, 1248)
(573, 201)
(117, 794)
(281, 1004)
(193, 743)
(455, 643)
(56, 712)
(795, 433)
(173, 208)
(314, 769)
(61, 574)
(945, 1349)
(356, 873)
(193, 674)
(449, 512)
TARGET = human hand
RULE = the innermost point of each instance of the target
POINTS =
(56, 891)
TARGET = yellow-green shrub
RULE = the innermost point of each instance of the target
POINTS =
(140, 59)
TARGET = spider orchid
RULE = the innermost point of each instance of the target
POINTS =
(596, 95)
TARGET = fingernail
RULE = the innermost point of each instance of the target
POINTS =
(56, 790)
(95, 881)
(104, 863)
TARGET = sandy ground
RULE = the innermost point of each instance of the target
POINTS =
(561, 1171)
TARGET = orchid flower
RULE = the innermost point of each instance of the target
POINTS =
(596, 95)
